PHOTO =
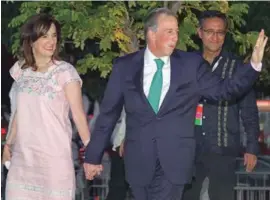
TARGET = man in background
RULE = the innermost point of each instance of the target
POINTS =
(217, 129)
(118, 185)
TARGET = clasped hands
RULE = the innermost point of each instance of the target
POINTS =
(91, 170)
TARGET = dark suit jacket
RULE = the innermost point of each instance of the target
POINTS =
(220, 131)
(169, 134)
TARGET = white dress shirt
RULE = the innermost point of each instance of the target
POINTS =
(149, 70)
(256, 67)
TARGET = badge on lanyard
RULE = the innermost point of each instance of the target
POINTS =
(199, 114)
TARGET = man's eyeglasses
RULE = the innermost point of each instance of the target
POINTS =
(210, 32)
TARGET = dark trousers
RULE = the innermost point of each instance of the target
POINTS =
(118, 186)
(3, 182)
(159, 189)
(220, 170)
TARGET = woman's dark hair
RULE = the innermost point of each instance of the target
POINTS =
(34, 28)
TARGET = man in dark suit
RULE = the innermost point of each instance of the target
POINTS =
(160, 88)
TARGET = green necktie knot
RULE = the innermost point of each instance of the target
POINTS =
(159, 63)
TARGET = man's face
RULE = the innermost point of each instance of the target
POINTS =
(163, 41)
(212, 34)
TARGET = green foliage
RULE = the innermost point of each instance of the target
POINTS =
(117, 26)
(258, 17)
(8, 11)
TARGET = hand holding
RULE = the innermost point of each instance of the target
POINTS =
(92, 170)
(6, 153)
(250, 161)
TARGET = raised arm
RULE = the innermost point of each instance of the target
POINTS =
(212, 87)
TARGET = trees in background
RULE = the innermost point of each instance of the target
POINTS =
(258, 17)
(94, 33)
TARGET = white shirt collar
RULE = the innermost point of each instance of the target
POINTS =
(149, 57)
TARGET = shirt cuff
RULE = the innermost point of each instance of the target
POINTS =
(114, 148)
(256, 67)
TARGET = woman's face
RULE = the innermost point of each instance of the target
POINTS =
(45, 46)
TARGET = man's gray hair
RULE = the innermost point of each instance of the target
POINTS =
(152, 17)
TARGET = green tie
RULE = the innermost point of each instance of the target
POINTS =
(156, 86)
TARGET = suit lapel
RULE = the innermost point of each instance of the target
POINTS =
(175, 63)
(138, 65)
(138, 77)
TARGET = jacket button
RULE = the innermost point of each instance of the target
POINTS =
(203, 117)
(203, 133)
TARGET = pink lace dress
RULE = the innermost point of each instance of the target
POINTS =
(41, 164)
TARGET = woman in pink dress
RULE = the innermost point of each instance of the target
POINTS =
(40, 136)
